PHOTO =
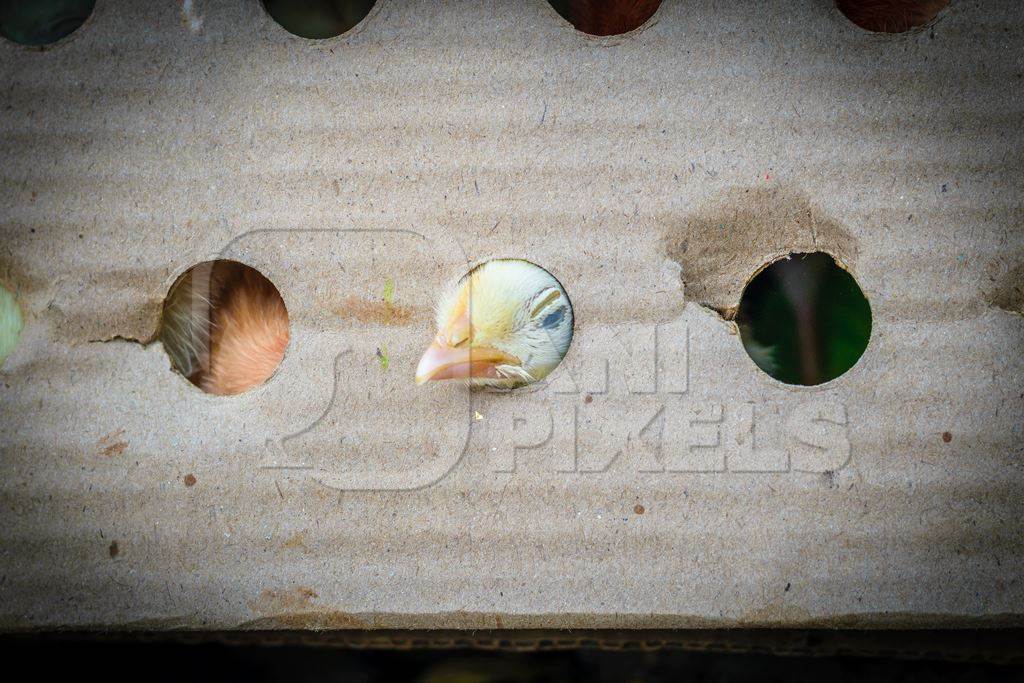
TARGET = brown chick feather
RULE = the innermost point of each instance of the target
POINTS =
(226, 327)
(890, 16)
(249, 333)
(606, 17)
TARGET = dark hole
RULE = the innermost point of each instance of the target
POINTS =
(606, 17)
(224, 327)
(318, 19)
(804, 320)
(41, 22)
(890, 16)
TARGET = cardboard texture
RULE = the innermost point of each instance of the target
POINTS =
(659, 479)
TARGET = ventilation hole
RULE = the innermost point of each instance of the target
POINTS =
(11, 323)
(318, 19)
(224, 327)
(504, 324)
(606, 17)
(890, 16)
(42, 22)
(804, 319)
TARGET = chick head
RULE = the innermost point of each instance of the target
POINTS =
(504, 324)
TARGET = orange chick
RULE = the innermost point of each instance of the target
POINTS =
(890, 16)
(606, 17)
(225, 327)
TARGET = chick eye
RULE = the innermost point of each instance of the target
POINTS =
(553, 319)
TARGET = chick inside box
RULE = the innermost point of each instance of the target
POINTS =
(512, 315)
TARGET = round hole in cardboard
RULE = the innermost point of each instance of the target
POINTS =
(505, 324)
(803, 319)
(11, 323)
(606, 17)
(890, 16)
(318, 19)
(42, 22)
(224, 327)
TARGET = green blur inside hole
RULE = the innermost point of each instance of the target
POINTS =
(318, 19)
(804, 320)
(41, 22)
(10, 323)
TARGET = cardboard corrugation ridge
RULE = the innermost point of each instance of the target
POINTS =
(652, 174)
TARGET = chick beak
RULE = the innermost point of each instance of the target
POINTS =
(443, 361)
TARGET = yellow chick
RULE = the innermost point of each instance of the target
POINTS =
(505, 324)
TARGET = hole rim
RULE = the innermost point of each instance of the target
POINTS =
(611, 38)
(157, 336)
(14, 45)
(881, 33)
(733, 313)
(329, 41)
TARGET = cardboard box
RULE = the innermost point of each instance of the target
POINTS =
(659, 479)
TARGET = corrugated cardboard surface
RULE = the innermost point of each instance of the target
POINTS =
(659, 480)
